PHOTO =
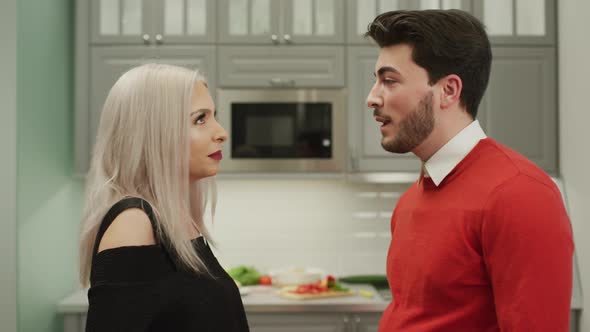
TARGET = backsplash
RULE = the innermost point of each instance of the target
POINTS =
(335, 225)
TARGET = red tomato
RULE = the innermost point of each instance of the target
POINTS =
(265, 280)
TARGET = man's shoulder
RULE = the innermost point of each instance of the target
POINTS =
(504, 163)
(497, 168)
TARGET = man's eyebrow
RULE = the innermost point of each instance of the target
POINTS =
(386, 69)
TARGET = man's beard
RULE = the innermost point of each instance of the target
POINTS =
(414, 129)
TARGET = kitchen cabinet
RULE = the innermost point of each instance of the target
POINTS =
(152, 22)
(268, 66)
(314, 322)
(108, 63)
(518, 22)
(363, 12)
(277, 22)
(366, 153)
(519, 108)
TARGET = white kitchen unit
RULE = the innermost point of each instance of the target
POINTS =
(267, 312)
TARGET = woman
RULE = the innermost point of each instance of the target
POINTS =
(144, 246)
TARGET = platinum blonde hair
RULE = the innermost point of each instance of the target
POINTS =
(142, 150)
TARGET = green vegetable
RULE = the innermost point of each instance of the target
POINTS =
(338, 287)
(246, 275)
(378, 281)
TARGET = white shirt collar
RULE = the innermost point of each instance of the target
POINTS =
(447, 157)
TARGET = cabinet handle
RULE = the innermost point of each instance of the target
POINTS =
(279, 82)
(357, 319)
(274, 38)
(287, 38)
(159, 39)
(146, 38)
(345, 320)
(354, 160)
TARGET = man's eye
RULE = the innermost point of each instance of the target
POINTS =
(389, 81)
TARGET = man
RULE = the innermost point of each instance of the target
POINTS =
(482, 241)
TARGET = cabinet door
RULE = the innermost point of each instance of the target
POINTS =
(313, 22)
(366, 153)
(518, 21)
(185, 21)
(291, 67)
(299, 322)
(368, 322)
(107, 64)
(249, 21)
(363, 12)
(519, 108)
(201, 58)
(122, 21)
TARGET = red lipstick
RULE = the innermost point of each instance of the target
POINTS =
(217, 155)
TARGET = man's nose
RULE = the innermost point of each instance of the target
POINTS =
(374, 100)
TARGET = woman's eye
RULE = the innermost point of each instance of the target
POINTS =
(200, 119)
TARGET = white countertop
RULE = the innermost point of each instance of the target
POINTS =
(265, 299)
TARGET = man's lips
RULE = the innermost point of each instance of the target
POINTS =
(217, 155)
(384, 121)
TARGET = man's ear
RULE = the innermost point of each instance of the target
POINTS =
(451, 87)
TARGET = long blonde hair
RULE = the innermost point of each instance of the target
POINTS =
(142, 150)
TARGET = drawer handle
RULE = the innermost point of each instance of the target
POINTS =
(279, 82)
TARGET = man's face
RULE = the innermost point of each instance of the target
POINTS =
(401, 99)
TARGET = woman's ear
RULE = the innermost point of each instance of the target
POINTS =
(451, 87)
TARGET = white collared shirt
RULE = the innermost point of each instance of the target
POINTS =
(447, 157)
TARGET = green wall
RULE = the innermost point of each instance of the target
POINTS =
(48, 198)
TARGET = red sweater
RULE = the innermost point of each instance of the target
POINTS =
(489, 249)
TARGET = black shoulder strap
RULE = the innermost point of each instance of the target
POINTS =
(116, 209)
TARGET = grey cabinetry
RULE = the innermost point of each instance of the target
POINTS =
(122, 34)
(300, 322)
(317, 322)
(152, 21)
(108, 63)
(288, 66)
(366, 322)
(281, 21)
(519, 108)
(366, 153)
(518, 22)
(362, 12)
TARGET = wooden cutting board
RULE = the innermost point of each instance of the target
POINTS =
(294, 296)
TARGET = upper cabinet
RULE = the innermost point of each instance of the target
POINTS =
(519, 108)
(281, 22)
(363, 12)
(518, 22)
(152, 22)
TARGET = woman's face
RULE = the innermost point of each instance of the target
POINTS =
(206, 135)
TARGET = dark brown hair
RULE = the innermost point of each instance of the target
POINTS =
(443, 42)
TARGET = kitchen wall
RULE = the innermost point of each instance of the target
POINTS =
(574, 71)
(48, 198)
(331, 224)
(8, 115)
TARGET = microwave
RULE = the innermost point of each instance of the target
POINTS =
(283, 130)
